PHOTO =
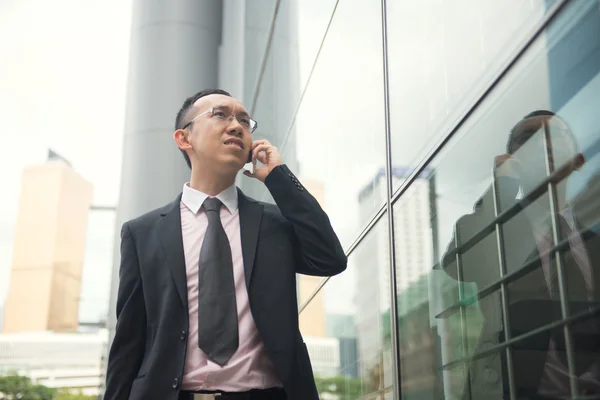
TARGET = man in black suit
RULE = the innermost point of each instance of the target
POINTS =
(207, 303)
(539, 362)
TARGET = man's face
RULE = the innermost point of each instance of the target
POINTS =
(216, 138)
(531, 154)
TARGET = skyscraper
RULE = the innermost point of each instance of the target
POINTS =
(45, 281)
(413, 237)
(412, 241)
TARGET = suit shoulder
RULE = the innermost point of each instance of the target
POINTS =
(149, 218)
(270, 208)
(272, 212)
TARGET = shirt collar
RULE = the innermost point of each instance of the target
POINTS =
(193, 199)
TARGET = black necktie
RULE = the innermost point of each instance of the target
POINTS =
(217, 311)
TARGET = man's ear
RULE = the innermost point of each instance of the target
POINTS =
(182, 139)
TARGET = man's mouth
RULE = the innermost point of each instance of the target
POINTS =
(235, 143)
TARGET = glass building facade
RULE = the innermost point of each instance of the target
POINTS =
(471, 230)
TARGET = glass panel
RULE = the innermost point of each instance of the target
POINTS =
(351, 317)
(337, 145)
(455, 310)
(290, 59)
(442, 55)
(486, 377)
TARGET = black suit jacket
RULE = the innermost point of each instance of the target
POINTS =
(146, 360)
(530, 305)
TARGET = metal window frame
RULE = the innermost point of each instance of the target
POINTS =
(395, 338)
(556, 236)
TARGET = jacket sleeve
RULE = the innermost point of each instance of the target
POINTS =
(319, 251)
(483, 253)
(127, 349)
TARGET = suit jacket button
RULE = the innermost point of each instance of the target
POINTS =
(182, 335)
(175, 383)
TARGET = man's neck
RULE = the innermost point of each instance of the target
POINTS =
(211, 184)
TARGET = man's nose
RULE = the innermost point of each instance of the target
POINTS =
(235, 128)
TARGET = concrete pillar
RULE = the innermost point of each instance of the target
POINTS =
(174, 54)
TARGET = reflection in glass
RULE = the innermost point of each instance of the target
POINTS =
(441, 57)
(347, 325)
(338, 137)
(514, 235)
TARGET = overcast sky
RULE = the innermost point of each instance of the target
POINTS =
(63, 67)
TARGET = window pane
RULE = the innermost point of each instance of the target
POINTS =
(337, 145)
(274, 100)
(442, 55)
(347, 325)
(505, 204)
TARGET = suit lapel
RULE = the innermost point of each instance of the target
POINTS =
(250, 218)
(169, 231)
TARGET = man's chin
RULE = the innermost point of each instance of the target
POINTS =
(232, 165)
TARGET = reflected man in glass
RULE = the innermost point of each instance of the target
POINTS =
(533, 223)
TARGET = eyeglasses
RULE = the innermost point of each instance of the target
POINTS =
(224, 114)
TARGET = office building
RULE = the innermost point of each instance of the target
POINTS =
(49, 244)
(349, 91)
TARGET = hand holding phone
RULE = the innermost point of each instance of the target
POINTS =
(269, 157)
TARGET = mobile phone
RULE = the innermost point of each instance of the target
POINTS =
(250, 164)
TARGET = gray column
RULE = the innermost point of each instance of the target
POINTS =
(280, 87)
(174, 54)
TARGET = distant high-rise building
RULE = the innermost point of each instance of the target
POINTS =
(341, 327)
(412, 225)
(49, 244)
(312, 318)
(413, 243)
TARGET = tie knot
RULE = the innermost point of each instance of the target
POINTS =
(212, 204)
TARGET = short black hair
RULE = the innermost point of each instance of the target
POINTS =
(183, 118)
(515, 138)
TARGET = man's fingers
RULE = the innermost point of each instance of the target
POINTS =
(260, 142)
(259, 148)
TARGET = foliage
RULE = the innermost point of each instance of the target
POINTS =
(14, 386)
(339, 387)
(67, 395)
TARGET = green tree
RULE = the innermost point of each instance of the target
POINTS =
(14, 386)
(340, 387)
(66, 395)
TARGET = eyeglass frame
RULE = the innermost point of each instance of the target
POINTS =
(211, 110)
